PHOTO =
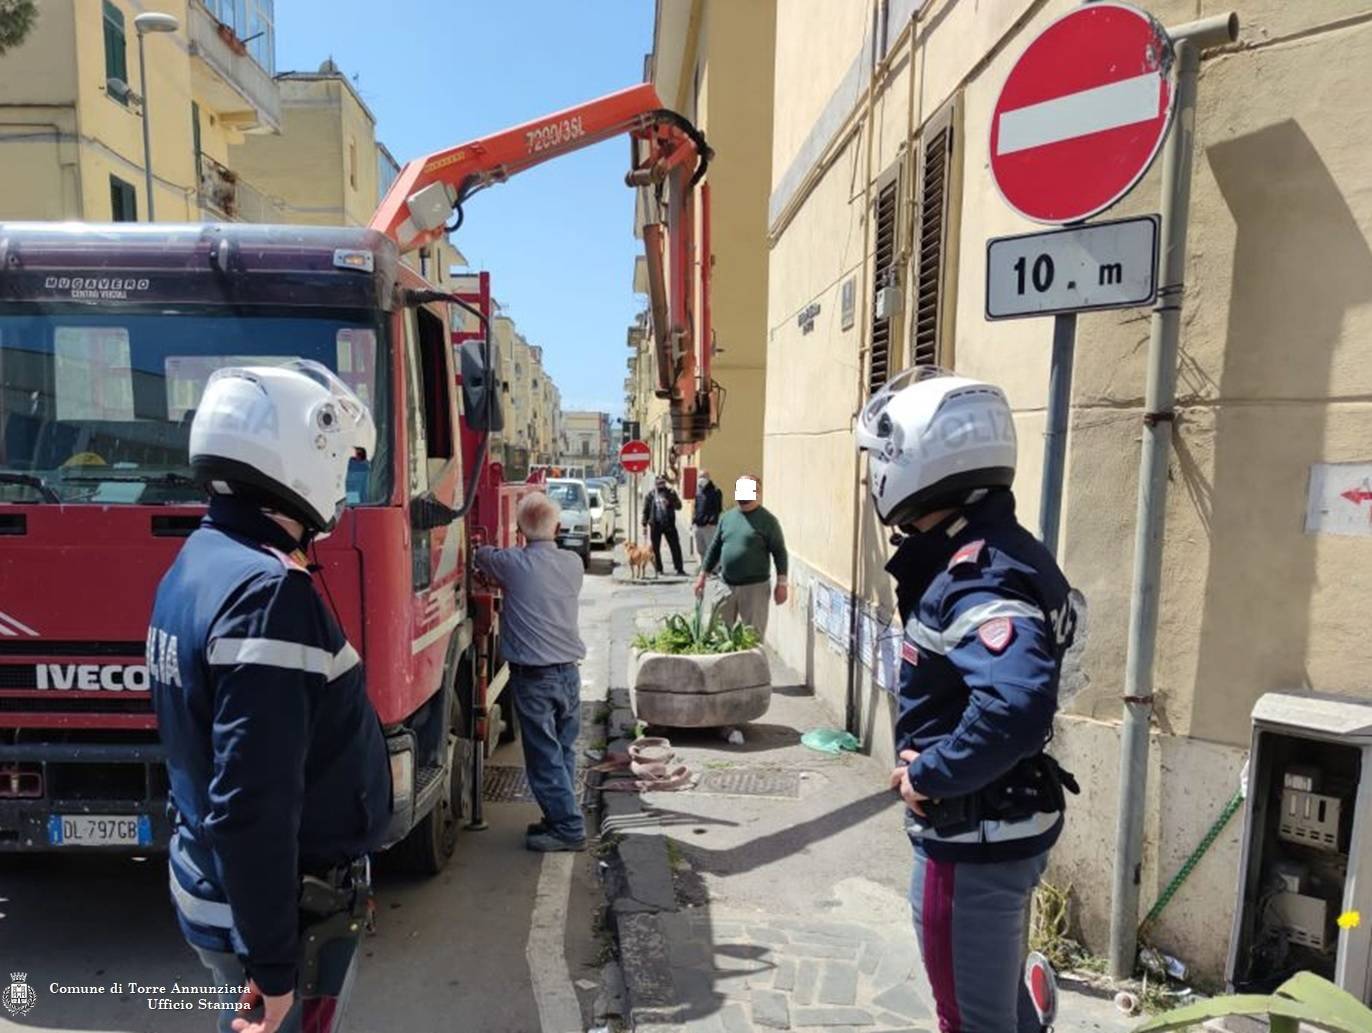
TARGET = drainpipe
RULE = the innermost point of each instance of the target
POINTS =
(1188, 41)
(851, 721)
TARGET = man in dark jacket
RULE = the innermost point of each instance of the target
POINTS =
(659, 520)
(988, 619)
(280, 781)
(709, 505)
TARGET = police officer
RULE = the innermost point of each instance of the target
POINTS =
(988, 617)
(280, 782)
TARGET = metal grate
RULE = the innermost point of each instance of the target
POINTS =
(783, 785)
(883, 275)
(936, 148)
(510, 784)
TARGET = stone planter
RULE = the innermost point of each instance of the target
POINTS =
(706, 691)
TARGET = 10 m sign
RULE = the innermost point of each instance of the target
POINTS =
(1100, 266)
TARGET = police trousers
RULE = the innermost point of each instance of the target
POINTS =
(969, 918)
(307, 1015)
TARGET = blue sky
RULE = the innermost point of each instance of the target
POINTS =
(557, 239)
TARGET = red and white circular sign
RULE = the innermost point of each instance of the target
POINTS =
(634, 456)
(1082, 113)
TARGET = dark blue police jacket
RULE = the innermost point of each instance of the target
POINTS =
(275, 755)
(988, 618)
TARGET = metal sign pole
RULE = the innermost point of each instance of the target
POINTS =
(1055, 436)
(1159, 399)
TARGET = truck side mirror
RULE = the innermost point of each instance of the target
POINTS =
(477, 391)
(427, 513)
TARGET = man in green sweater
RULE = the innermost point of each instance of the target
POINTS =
(748, 542)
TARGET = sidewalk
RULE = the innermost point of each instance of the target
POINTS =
(773, 895)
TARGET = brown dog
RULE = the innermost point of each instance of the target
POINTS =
(640, 559)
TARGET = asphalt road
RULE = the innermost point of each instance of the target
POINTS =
(495, 944)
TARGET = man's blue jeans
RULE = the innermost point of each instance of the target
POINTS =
(548, 702)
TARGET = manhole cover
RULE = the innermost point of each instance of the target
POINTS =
(508, 784)
(745, 782)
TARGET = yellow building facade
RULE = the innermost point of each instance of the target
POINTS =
(71, 138)
(712, 61)
(880, 178)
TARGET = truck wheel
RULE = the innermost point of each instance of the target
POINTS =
(431, 843)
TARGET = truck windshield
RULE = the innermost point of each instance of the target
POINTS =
(96, 405)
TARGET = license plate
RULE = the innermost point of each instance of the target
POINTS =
(100, 830)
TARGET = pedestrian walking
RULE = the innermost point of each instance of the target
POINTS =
(659, 521)
(988, 618)
(280, 780)
(540, 641)
(709, 505)
(749, 541)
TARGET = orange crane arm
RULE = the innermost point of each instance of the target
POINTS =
(669, 154)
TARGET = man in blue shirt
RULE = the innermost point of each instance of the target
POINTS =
(988, 619)
(540, 641)
(280, 781)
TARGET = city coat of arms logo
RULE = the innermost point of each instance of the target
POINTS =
(19, 998)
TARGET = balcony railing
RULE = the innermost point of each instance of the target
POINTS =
(224, 195)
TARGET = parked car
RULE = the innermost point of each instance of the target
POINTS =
(574, 530)
(602, 518)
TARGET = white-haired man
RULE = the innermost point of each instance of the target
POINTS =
(540, 641)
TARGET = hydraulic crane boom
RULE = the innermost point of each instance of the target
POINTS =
(668, 154)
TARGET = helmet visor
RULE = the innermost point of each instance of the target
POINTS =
(354, 418)
(873, 429)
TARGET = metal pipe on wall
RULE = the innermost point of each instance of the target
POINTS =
(1160, 396)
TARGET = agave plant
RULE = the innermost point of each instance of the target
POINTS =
(1304, 998)
(698, 633)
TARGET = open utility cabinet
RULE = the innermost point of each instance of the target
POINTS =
(1307, 846)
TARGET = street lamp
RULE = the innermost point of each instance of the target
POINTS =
(152, 21)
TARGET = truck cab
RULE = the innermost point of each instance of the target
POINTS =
(108, 335)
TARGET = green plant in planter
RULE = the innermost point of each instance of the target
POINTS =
(1304, 997)
(681, 634)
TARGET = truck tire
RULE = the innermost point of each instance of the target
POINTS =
(431, 843)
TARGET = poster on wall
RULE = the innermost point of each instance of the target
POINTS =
(867, 637)
(887, 672)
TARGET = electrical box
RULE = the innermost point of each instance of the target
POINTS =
(887, 303)
(1307, 846)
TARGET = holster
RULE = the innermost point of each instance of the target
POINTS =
(333, 909)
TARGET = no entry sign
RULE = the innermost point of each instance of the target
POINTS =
(634, 456)
(1082, 113)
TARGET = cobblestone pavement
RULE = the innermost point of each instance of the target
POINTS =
(740, 971)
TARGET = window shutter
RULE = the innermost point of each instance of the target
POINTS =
(116, 63)
(884, 273)
(937, 186)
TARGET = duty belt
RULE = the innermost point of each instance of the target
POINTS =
(1034, 786)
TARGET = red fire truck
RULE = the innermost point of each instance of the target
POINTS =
(108, 334)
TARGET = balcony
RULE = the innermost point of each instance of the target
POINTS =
(242, 93)
(224, 197)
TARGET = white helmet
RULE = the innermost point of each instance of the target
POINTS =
(282, 436)
(932, 439)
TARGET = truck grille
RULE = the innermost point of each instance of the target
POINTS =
(69, 702)
(47, 648)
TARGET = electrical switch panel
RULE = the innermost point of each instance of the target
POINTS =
(1310, 819)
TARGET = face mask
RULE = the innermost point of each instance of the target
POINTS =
(745, 490)
(705, 482)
